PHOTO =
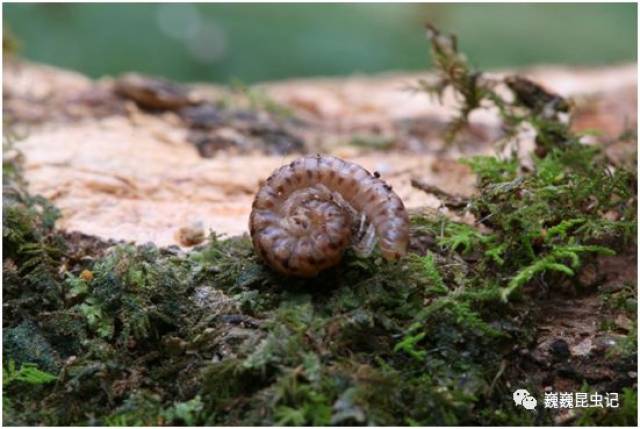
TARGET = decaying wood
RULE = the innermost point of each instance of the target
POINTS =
(121, 171)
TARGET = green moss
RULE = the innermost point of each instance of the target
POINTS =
(25, 344)
(27, 373)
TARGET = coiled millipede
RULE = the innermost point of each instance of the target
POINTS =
(308, 212)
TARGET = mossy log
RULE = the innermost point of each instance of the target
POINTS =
(133, 296)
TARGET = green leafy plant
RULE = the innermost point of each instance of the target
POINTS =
(553, 261)
(27, 373)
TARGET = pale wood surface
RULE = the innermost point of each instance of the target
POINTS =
(132, 175)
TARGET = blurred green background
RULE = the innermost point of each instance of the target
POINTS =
(254, 42)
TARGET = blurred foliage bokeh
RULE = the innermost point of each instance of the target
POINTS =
(254, 42)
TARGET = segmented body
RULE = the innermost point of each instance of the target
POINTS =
(307, 213)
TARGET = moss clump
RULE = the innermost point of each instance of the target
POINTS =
(547, 217)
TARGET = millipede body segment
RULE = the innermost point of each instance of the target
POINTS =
(308, 212)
